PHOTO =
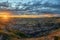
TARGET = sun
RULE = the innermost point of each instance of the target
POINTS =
(5, 16)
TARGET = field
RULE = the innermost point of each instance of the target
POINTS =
(18, 28)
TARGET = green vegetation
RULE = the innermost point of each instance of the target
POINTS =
(9, 35)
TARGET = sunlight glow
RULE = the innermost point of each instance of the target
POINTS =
(4, 16)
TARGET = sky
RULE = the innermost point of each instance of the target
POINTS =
(16, 0)
(38, 6)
